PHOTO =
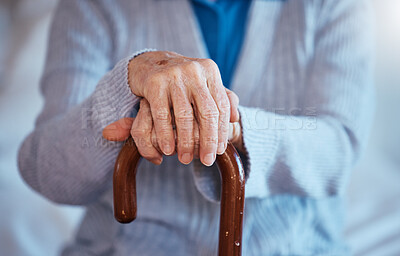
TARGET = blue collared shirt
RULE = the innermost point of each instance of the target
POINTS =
(223, 24)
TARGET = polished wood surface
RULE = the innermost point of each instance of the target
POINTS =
(232, 196)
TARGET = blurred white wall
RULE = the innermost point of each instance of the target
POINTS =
(374, 192)
(30, 225)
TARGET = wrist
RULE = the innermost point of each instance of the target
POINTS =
(133, 71)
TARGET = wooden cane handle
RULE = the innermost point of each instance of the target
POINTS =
(232, 196)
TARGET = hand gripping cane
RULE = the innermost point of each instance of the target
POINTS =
(232, 196)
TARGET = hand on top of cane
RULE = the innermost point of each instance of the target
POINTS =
(183, 92)
(142, 131)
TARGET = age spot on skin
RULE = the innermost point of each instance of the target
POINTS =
(162, 62)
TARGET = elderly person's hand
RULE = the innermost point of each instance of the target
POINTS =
(142, 130)
(186, 91)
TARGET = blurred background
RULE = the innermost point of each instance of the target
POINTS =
(31, 225)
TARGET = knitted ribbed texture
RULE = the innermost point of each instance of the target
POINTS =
(305, 87)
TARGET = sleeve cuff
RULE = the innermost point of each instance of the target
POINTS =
(261, 140)
(113, 98)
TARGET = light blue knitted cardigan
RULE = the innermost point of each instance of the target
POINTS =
(304, 79)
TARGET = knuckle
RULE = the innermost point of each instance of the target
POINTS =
(184, 116)
(138, 132)
(225, 108)
(209, 141)
(178, 95)
(194, 75)
(174, 72)
(144, 104)
(164, 133)
(145, 112)
(210, 114)
(211, 66)
(209, 63)
(193, 66)
(163, 114)
(185, 130)
(185, 143)
(223, 124)
(154, 85)
(156, 79)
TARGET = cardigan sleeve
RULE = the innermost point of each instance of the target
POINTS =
(312, 154)
(65, 158)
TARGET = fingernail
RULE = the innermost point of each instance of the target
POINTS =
(186, 158)
(167, 149)
(221, 148)
(209, 159)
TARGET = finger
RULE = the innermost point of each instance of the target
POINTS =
(221, 99)
(234, 131)
(141, 134)
(184, 119)
(235, 136)
(119, 130)
(154, 140)
(207, 116)
(234, 103)
(196, 133)
(161, 113)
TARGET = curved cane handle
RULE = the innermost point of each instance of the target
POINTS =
(232, 196)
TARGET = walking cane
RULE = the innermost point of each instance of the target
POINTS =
(232, 196)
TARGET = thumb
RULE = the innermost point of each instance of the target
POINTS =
(119, 130)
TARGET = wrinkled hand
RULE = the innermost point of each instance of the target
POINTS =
(188, 92)
(142, 130)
